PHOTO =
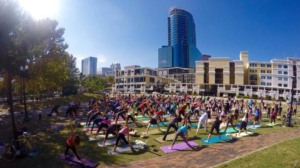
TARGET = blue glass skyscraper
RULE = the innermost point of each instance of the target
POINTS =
(181, 41)
(89, 66)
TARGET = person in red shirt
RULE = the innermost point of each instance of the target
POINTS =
(273, 115)
(71, 143)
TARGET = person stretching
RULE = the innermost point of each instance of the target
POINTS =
(153, 121)
(202, 121)
(174, 124)
(244, 123)
(183, 133)
(216, 125)
(71, 143)
(256, 116)
(230, 121)
(121, 135)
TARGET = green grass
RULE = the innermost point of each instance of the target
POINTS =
(52, 144)
(284, 154)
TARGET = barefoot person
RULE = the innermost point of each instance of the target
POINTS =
(244, 123)
(174, 124)
(71, 143)
(153, 121)
(202, 121)
(121, 135)
(216, 125)
(183, 133)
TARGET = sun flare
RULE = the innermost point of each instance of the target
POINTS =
(40, 9)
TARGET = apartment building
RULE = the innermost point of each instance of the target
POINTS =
(218, 76)
(133, 79)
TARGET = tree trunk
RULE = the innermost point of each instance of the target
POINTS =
(10, 104)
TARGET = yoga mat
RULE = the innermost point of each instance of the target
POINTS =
(229, 130)
(72, 160)
(243, 134)
(89, 126)
(178, 147)
(98, 137)
(253, 128)
(122, 149)
(271, 124)
(155, 131)
(107, 143)
(170, 137)
(265, 119)
(146, 122)
(160, 124)
(214, 139)
(193, 125)
(142, 118)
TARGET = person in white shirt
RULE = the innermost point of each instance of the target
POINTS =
(202, 121)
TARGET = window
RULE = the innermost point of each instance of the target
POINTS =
(285, 79)
(253, 65)
(279, 66)
(269, 77)
(269, 65)
(268, 84)
(263, 77)
(285, 72)
(269, 71)
(262, 65)
(285, 66)
(262, 83)
(285, 85)
(279, 72)
(279, 84)
(263, 71)
(279, 78)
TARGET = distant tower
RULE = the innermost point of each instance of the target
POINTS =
(89, 66)
(181, 50)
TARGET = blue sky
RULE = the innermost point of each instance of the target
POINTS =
(131, 31)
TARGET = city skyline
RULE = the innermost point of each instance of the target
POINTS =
(130, 32)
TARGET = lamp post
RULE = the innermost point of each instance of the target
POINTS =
(24, 70)
(290, 112)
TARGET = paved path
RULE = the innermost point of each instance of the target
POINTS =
(217, 153)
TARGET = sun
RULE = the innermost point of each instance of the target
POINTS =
(40, 9)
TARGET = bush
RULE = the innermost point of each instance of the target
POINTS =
(268, 98)
(254, 97)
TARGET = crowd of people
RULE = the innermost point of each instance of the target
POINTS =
(104, 114)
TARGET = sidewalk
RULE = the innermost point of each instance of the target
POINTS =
(216, 154)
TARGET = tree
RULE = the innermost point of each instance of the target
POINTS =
(40, 43)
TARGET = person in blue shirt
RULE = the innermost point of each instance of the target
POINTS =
(256, 116)
(183, 133)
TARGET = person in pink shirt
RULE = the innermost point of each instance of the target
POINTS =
(121, 135)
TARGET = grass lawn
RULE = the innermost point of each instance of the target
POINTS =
(284, 154)
(52, 144)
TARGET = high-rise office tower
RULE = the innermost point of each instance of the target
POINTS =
(89, 66)
(181, 50)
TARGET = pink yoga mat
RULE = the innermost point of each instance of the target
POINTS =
(178, 147)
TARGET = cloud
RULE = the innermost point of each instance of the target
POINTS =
(101, 58)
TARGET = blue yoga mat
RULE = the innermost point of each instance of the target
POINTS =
(214, 139)
(160, 124)
(193, 125)
(228, 131)
(142, 118)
